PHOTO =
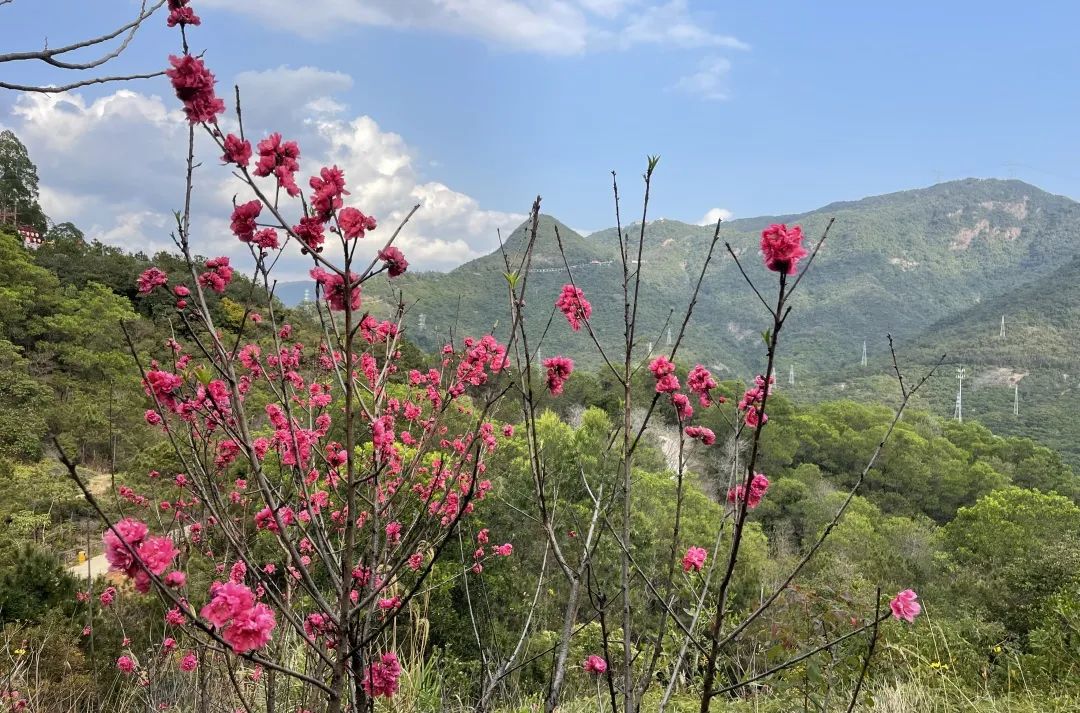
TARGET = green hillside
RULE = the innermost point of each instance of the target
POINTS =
(896, 263)
(1040, 354)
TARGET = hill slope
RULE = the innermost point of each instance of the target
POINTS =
(895, 263)
(1039, 357)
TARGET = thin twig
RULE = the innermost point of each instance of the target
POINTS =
(869, 652)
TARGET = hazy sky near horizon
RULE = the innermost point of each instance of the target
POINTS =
(474, 106)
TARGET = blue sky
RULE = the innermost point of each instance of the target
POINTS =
(768, 107)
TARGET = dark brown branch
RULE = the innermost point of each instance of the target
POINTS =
(801, 657)
(835, 520)
(869, 652)
(747, 278)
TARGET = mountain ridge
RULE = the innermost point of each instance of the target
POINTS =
(896, 263)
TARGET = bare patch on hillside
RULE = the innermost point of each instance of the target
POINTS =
(740, 333)
(903, 263)
(962, 240)
(1017, 209)
(999, 376)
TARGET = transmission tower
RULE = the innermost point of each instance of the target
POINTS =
(1002, 333)
(864, 352)
(791, 375)
(958, 414)
(307, 296)
(422, 322)
(1016, 399)
(650, 347)
(669, 336)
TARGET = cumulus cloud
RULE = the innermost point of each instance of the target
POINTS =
(450, 227)
(716, 214)
(106, 164)
(710, 81)
(114, 167)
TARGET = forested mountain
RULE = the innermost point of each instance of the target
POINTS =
(896, 263)
(1032, 368)
(936, 268)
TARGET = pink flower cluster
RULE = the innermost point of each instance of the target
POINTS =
(311, 232)
(333, 288)
(151, 278)
(328, 188)
(247, 625)
(664, 370)
(701, 382)
(354, 224)
(904, 606)
(694, 559)
(237, 151)
(559, 369)
(281, 158)
(572, 303)
(162, 386)
(218, 274)
(782, 247)
(758, 485)
(596, 665)
(395, 261)
(701, 433)
(181, 14)
(243, 220)
(194, 85)
(130, 550)
(683, 409)
(753, 398)
(381, 677)
(244, 225)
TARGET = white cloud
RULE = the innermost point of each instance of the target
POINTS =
(450, 227)
(114, 167)
(106, 165)
(716, 214)
(557, 27)
(709, 81)
(272, 95)
(671, 24)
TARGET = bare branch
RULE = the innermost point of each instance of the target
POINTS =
(75, 85)
(801, 657)
(54, 57)
(869, 652)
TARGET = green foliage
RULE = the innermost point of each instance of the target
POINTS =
(19, 182)
(1016, 549)
(31, 583)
